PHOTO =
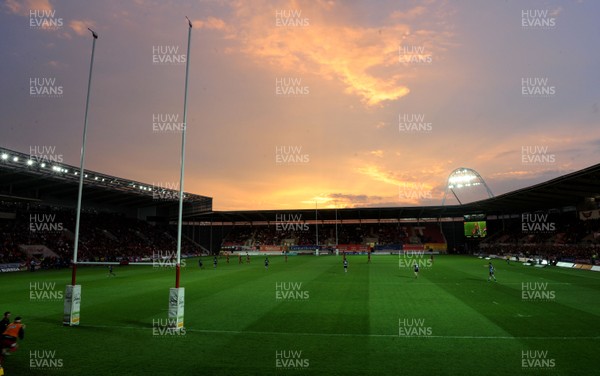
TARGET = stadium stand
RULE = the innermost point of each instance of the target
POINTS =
(104, 236)
(573, 240)
(366, 234)
(126, 219)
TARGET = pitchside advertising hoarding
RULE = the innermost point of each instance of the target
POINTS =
(271, 248)
(302, 248)
(412, 248)
(353, 247)
(238, 248)
(389, 247)
(346, 248)
(439, 247)
(11, 267)
(426, 248)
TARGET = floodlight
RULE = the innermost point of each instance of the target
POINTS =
(464, 177)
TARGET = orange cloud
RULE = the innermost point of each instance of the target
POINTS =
(42, 15)
(307, 38)
(22, 7)
(211, 23)
(80, 27)
(375, 173)
(408, 188)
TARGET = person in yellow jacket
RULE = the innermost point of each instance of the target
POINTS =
(14, 331)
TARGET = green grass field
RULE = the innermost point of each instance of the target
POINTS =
(341, 324)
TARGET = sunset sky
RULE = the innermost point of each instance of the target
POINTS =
(347, 103)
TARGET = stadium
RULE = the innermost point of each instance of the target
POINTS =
(305, 310)
(350, 189)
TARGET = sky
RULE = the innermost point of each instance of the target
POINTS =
(293, 104)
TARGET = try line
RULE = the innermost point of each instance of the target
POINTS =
(251, 332)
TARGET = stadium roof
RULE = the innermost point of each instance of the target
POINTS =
(38, 178)
(565, 191)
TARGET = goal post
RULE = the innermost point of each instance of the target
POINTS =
(71, 305)
(72, 297)
(177, 294)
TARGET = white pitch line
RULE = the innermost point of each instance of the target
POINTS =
(238, 332)
(480, 282)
